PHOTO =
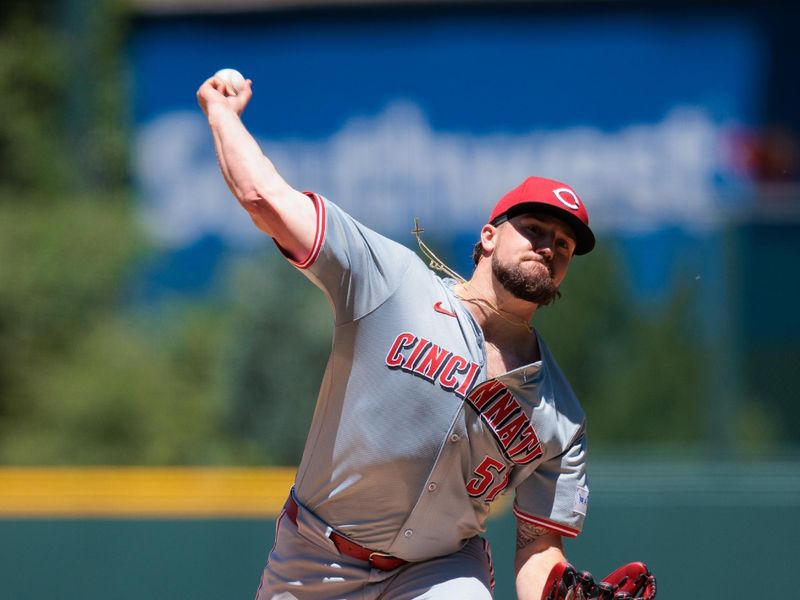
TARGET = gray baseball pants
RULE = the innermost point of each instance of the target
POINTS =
(304, 564)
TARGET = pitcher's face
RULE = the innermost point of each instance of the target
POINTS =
(531, 256)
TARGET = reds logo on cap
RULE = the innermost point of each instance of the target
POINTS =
(537, 194)
(573, 202)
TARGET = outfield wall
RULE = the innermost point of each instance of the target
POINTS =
(709, 530)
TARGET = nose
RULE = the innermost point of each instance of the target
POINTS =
(544, 246)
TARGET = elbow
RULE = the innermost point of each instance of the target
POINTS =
(258, 197)
(259, 209)
(251, 200)
(256, 204)
(262, 211)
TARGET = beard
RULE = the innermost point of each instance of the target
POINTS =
(537, 287)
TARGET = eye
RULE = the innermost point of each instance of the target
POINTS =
(565, 245)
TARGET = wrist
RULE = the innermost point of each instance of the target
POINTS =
(219, 111)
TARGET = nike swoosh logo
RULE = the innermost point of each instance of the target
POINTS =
(441, 309)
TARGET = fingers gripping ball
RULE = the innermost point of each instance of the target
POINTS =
(232, 78)
(629, 582)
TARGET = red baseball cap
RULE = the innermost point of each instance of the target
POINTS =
(537, 194)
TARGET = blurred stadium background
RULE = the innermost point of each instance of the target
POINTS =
(159, 362)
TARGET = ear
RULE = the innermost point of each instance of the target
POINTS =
(488, 239)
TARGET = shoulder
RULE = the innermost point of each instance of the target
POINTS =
(338, 222)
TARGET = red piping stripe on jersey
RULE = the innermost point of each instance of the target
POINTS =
(557, 527)
(319, 235)
(488, 550)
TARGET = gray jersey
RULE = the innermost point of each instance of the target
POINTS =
(410, 443)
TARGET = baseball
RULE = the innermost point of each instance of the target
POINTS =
(232, 77)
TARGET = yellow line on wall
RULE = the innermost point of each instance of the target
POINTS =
(143, 492)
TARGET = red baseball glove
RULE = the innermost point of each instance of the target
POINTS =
(630, 581)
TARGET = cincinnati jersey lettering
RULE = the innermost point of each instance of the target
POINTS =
(430, 361)
(510, 425)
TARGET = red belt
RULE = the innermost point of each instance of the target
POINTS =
(378, 560)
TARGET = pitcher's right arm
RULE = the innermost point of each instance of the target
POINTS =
(277, 209)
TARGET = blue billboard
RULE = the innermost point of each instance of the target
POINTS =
(396, 114)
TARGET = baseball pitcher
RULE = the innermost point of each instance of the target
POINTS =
(438, 396)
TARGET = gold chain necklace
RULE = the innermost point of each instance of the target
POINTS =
(511, 318)
(438, 264)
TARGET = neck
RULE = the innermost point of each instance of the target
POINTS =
(500, 315)
(507, 333)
